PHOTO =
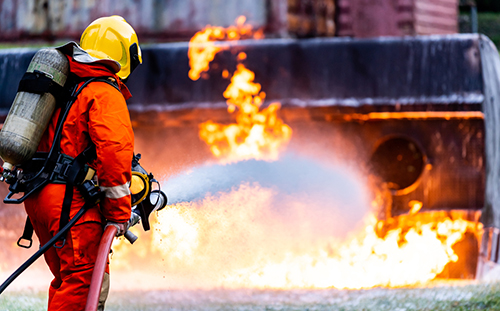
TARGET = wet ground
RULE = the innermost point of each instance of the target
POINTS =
(439, 296)
(442, 297)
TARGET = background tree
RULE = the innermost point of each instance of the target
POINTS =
(488, 5)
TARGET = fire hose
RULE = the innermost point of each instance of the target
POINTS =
(156, 201)
(101, 260)
(107, 238)
(100, 268)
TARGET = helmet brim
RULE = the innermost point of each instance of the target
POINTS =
(80, 55)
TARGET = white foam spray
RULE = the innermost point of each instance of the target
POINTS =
(331, 191)
(222, 219)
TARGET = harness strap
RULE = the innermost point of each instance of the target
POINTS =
(78, 163)
(108, 81)
(74, 172)
(75, 175)
(27, 234)
(56, 144)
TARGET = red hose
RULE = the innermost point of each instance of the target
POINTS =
(100, 268)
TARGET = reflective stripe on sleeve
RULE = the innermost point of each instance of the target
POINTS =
(116, 192)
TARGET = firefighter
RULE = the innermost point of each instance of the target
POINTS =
(109, 49)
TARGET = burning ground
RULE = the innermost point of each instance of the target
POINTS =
(254, 235)
(279, 231)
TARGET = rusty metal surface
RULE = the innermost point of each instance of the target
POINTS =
(372, 18)
(436, 16)
(311, 18)
(454, 173)
(52, 19)
(363, 18)
(174, 19)
(417, 73)
(434, 73)
(491, 107)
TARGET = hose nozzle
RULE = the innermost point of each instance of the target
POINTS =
(157, 201)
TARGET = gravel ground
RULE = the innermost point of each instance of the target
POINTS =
(439, 296)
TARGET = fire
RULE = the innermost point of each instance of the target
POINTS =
(202, 50)
(255, 237)
(366, 260)
(239, 240)
(202, 47)
(415, 206)
(259, 133)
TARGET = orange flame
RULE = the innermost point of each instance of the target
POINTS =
(415, 206)
(237, 240)
(258, 134)
(202, 48)
(365, 261)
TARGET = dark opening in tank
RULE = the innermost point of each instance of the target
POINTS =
(398, 161)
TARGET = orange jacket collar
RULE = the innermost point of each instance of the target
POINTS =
(89, 70)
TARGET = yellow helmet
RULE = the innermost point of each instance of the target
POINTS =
(113, 38)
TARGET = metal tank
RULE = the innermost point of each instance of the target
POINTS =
(30, 113)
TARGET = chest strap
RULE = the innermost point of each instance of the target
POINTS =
(72, 172)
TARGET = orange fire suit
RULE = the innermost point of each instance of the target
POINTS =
(99, 116)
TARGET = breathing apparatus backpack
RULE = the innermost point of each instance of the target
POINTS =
(47, 84)
(33, 107)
